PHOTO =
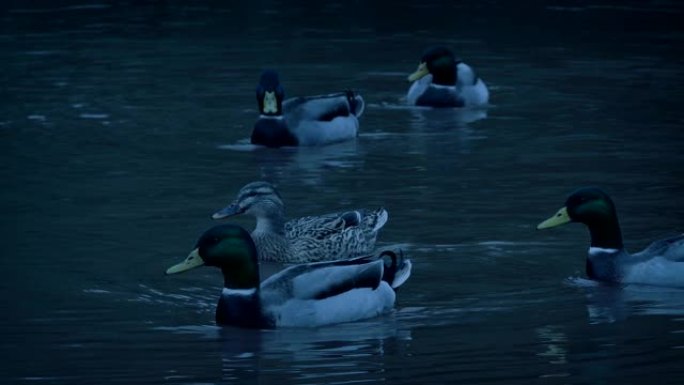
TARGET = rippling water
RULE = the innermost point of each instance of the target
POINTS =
(124, 125)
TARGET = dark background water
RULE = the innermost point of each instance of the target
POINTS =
(122, 127)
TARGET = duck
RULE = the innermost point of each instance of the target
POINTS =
(659, 264)
(441, 80)
(303, 295)
(303, 121)
(339, 235)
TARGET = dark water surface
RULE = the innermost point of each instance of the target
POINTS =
(122, 128)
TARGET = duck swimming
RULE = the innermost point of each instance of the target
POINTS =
(443, 81)
(333, 236)
(661, 263)
(303, 121)
(307, 295)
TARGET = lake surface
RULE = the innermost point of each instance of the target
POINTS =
(123, 127)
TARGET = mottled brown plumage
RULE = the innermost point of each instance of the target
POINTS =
(327, 237)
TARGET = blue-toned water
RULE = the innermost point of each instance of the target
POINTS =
(124, 126)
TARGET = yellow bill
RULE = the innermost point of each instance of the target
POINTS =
(192, 261)
(560, 218)
(420, 72)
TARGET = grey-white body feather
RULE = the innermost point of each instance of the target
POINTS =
(305, 295)
(661, 263)
(322, 119)
(469, 90)
(320, 293)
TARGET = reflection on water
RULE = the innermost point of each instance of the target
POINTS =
(436, 119)
(613, 303)
(454, 121)
(307, 164)
(554, 340)
(555, 349)
(305, 355)
(425, 121)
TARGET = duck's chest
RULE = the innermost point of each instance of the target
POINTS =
(440, 96)
(242, 308)
(602, 265)
(272, 132)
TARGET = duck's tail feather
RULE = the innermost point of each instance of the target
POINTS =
(357, 105)
(381, 217)
(367, 219)
(397, 268)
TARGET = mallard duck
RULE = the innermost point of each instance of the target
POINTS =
(306, 295)
(303, 121)
(443, 81)
(309, 239)
(661, 263)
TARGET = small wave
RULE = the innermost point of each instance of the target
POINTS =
(383, 135)
(207, 331)
(48, 378)
(86, 6)
(97, 291)
(581, 282)
(196, 300)
(78, 7)
(467, 245)
(42, 53)
(387, 73)
(511, 243)
(93, 116)
(241, 146)
(565, 9)
(396, 106)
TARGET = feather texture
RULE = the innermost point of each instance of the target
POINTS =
(304, 121)
(661, 263)
(304, 295)
(443, 81)
(308, 239)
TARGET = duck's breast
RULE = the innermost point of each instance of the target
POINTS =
(272, 132)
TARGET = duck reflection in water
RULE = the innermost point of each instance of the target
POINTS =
(307, 164)
(291, 355)
(609, 303)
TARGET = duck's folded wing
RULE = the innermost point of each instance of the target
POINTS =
(336, 222)
(323, 279)
(368, 219)
(671, 248)
(306, 226)
(465, 75)
(322, 107)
